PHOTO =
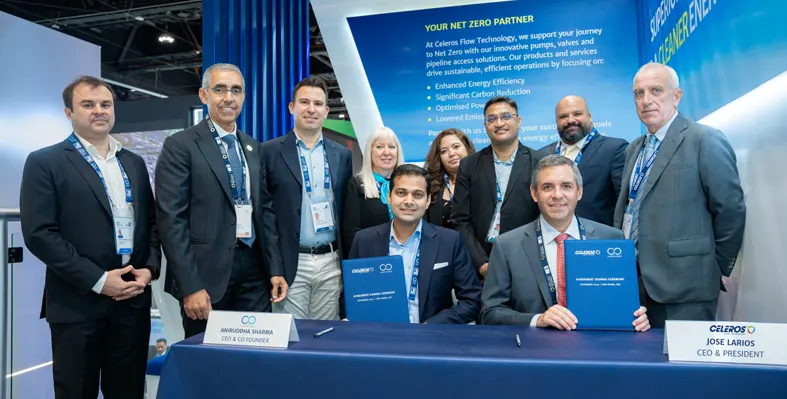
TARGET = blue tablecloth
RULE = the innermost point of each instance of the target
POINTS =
(404, 361)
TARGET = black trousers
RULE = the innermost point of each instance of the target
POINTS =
(113, 349)
(249, 289)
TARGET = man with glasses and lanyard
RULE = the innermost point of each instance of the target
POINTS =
(600, 158)
(88, 214)
(491, 183)
(215, 214)
(526, 283)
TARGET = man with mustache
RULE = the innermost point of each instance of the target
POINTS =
(599, 158)
(682, 203)
(436, 260)
(215, 213)
(307, 175)
(528, 260)
(491, 183)
(88, 214)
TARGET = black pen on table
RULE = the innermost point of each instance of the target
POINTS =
(323, 332)
(518, 342)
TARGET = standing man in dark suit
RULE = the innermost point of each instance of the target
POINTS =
(437, 256)
(88, 214)
(599, 158)
(682, 203)
(215, 214)
(527, 288)
(491, 183)
(307, 175)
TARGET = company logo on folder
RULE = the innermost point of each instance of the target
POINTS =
(601, 283)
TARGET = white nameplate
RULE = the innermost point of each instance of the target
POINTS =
(262, 330)
(726, 342)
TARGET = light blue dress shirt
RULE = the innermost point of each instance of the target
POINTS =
(503, 172)
(408, 250)
(315, 160)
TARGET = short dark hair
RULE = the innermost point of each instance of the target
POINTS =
(164, 340)
(409, 170)
(555, 160)
(92, 81)
(311, 81)
(501, 99)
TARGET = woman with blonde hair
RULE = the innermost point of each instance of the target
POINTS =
(366, 200)
(442, 163)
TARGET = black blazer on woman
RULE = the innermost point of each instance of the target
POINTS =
(360, 212)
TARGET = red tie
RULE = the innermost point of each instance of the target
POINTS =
(561, 269)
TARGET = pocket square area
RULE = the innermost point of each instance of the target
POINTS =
(440, 265)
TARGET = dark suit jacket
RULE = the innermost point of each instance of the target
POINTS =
(360, 212)
(438, 245)
(196, 213)
(602, 173)
(475, 199)
(434, 214)
(67, 224)
(515, 289)
(692, 216)
(285, 183)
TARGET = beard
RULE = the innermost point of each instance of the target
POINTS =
(572, 136)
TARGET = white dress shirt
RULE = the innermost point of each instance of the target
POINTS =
(571, 150)
(238, 150)
(660, 134)
(549, 234)
(117, 190)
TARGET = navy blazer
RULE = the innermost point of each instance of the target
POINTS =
(285, 183)
(601, 167)
(438, 245)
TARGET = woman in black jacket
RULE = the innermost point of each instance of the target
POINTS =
(442, 163)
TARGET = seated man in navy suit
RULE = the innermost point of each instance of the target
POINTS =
(439, 255)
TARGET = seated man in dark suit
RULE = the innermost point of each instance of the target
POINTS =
(599, 158)
(436, 255)
(516, 290)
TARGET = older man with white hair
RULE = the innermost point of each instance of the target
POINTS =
(681, 203)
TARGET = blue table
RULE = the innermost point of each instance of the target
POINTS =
(404, 361)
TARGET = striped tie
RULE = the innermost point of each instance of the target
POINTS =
(237, 172)
(650, 145)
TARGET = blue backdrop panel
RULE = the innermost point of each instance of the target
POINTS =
(269, 41)
(721, 49)
(417, 106)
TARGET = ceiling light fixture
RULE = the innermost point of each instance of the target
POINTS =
(166, 38)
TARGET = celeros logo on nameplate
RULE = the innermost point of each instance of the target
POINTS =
(614, 252)
(363, 270)
(588, 252)
(732, 330)
(386, 268)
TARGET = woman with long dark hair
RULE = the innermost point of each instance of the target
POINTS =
(442, 163)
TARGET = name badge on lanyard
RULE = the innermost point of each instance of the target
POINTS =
(243, 209)
(640, 172)
(578, 158)
(542, 252)
(122, 216)
(321, 212)
(494, 228)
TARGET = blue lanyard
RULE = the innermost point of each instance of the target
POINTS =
(581, 150)
(448, 185)
(305, 169)
(543, 255)
(82, 151)
(414, 280)
(236, 196)
(642, 170)
(499, 195)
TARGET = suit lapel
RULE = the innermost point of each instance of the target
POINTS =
(672, 141)
(333, 159)
(248, 145)
(589, 151)
(488, 166)
(380, 246)
(212, 154)
(521, 163)
(88, 174)
(530, 244)
(289, 151)
(430, 244)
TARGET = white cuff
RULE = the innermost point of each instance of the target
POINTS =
(534, 320)
(100, 284)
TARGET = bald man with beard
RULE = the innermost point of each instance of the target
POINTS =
(599, 158)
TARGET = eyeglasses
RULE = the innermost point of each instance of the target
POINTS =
(506, 116)
(221, 90)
